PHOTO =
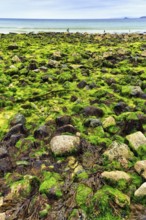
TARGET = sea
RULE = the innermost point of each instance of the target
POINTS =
(123, 25)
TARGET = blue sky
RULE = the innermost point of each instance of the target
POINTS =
(72, 8)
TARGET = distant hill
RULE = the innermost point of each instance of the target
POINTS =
(143, 17)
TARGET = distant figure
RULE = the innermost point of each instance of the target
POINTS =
(104, 31)
(68, 30)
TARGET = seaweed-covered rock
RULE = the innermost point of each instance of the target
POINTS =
(116, 175)
(110, 121)
(140, 167)
(92, 122)
(64, 144)
(136, 140)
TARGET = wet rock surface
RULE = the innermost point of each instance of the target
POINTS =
(72, 126)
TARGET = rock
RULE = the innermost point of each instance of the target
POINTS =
(67, 128)
(136, 140)
(53, 64)
(63, 120)
(1, 201)
(43, 68)
(117, 151)
(110, 121)
(18, 119)
(42, 131)
(5, 165)
(64, 144)
(16, 59)
(3, 152)
(116, 175)
(120, 107)
(17, 129)
(143, 54)
(136, 91)
(13, 47)
(14, 138)
(141, 191)
(2, 216)
(93, 111)
(91, 122)
(81, 84)
(32, 66)
(140, 167)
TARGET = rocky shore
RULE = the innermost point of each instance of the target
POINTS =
(72, 126)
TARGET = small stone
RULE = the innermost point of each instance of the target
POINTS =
(110, 121)
(67, 128)
(18, 119)
(81, 84)
(140, 167)
(16, 59)
(116, 175)
(42, 131)
(117, 151)
(136, 140)
(64, 144)
(3, 152)
(136, 91)
(2, 216)
(92, 122)
(141, 191)
(63, 120)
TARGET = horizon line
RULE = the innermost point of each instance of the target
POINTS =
(74, 18)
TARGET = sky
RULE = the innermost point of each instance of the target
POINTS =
(73, 9)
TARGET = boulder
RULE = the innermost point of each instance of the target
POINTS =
(16, 59)
(64, 144)
(110, 121)
(136, 140)
(141, 191)
(140, 168)
(116, 175)
(118, 150)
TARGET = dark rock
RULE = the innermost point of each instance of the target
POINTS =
(12, 47)
(92, 123)
(93, 111)
(3, 152)
(63, 120)
(42, 131)
(132, 125)
(67, 128)
(5, 165)
(17, 129)
(121, 107)
(81, 84)
(32, 66)
(73, 98)
(14, 138)
(18, 119)
(143, 96)
(92, 85)
(45, 78)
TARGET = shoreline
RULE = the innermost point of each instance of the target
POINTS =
(73, 126)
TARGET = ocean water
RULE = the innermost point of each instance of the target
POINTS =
(74, 25)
